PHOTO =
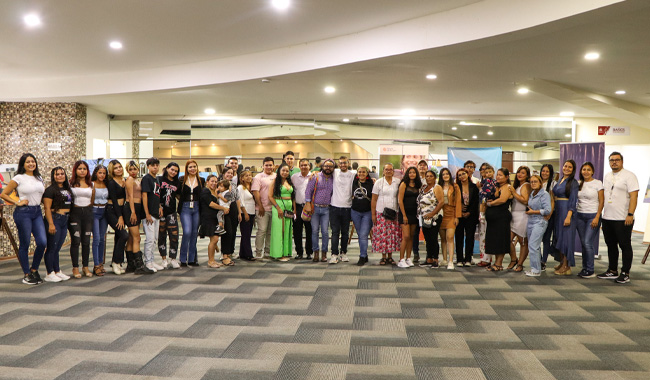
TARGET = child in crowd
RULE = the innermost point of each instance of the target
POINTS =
(486, 193)
(225, 198)
(153, 212)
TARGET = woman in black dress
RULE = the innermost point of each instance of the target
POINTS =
(468, 221)
(409, 189)
(497, 215)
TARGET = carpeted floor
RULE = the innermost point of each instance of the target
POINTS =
(303, 320)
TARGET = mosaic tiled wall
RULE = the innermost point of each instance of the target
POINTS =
(135, 135)
(29, 127)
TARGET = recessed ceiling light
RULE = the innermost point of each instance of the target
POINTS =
(408, 111)
(567, 135)
(212, 144)
(592, 56)
(490, 133)
(346, 120)
(295, 142)
(474, 137)
(432, 76)
(32, 20)
(454, 128)
(567, 113)
(620, 92)
(281, 4)
(524, 144)
(209, 111)
(277, 142)
(196, 144)
(116, 45)
(259, 142)
(329, 89)
(400, 124)
(523, 90)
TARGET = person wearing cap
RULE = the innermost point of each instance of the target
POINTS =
(318, 197)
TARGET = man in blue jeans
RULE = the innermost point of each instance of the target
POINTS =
(318, 197)
(340, 210)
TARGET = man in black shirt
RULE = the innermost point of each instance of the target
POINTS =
(153, 211)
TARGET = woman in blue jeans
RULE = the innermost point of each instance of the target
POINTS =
(100, 222)
(591, 199)
(28, 183)
(188, 209)
(539, 206)
(361, 213)
(57, 200)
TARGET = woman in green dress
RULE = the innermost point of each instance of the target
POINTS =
(282, 197)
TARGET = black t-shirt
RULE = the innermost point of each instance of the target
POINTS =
(50, 193)
(152, 188)
(361, 195)
(168, 191)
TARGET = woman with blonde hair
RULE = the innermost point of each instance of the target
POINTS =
(115, 214)
(132, 217)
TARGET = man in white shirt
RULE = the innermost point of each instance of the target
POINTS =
(300, 181)
(621, 194)
(260, 190)
(340, 210)
(233, 162)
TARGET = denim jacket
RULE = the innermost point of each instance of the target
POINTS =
(541, 202)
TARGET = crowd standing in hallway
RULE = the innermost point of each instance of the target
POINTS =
(540, 215)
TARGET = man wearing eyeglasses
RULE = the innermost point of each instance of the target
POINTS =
(621, 194)
(318, 196)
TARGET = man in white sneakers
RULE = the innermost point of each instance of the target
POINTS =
(621, 194)
(341, 210)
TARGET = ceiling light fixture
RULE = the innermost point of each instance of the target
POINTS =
(32, 20)
(567, 113)
(407, 111)
(490, 133)
(329, 90)
(115, 45)
(295, 142)
(523, 90)
(524, 144)
(209, 111)
(400, 124)
(474, 137)
(281, 4)
(259, 142)
(592, 56)
(567, 135)
(454, 128)
(277, 142)
(432, 76)
(346, 120)
(620, 92)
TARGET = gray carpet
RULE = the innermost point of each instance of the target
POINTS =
(303, 320)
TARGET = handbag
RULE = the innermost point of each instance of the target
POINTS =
(388, 213)
(304, 215)
(288, 214)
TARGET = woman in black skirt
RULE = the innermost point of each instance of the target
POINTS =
(497, 238)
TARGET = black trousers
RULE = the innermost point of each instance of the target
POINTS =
(168, 226)
(80, 225)
(121, 236)
(431, 238)
(230, 224)
(298, 225)
(617, 234)
(340, 225)
(465, 229)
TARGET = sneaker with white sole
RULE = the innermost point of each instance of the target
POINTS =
(165, 264)
(402, 264)
(175, 264)
(530, 273)
(609, 275)
(344, 258)
(450, 265)
(334, 259)
(409, 262)
(52, 277)
(157, 266)
(151, 266)
(624, 278)
(30, 279)
(116, 268)
(62, 276)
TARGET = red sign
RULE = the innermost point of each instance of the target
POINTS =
(602, 130)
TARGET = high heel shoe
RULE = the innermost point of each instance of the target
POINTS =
(75, 272)
(565, 272)
(87, 272)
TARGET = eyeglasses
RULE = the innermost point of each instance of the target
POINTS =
(615, 160)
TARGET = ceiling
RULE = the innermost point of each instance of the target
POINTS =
(182, 57)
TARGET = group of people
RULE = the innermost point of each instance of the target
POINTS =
(536, 212)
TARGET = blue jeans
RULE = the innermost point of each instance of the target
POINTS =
(340, 224)
(100, 225)
(587, 237)
(536, 231)
(319, 222)
(55, 242)
(362, 223)
(190, 225)
(29, 220)
(548, 239)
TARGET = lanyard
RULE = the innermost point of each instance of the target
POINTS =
(192, 185)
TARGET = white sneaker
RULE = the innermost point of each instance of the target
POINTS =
(62, 276)
(165, 264)
(152, 267)
(116, 269)
(122, 268)
(529, 273)
(344, 257)
(158, 267)
(409, 263)
(443, 263)
(52, 277)
(334, 259)
(450, 265)
(175, 264)
(402, 264)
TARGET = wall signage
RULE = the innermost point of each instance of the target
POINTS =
(55, 147)
(613, 131)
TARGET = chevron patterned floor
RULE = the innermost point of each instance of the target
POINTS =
(303, 320)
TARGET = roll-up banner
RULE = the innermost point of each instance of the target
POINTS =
(402, 157)
(457, 157)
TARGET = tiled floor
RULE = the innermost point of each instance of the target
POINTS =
(303, 320)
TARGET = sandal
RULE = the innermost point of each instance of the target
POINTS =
(495, 268)
(512, 264)
(214, 264)
(227, 262)
(98, 271)
(390, 261)
(519, 268)
(483, 264)
(87, 272)
(75, 272)
(382, 261)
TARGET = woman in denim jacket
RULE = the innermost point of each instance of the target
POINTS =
(539, 205)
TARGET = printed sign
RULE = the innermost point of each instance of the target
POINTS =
(604, 130)
(56, 147)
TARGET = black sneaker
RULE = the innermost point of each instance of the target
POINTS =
(219, 230)
(184, 265)
(609, 275)
(587, 274)
(30, 279)
(435, 264)
(624, 278)
(308, 257)
(298, 257)
(543, 267)
(416, 259)
(193, 264)
(362, 261)
(38, 277)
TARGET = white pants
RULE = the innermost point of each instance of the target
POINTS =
(151, 238)
(482, 229)
(263, 235)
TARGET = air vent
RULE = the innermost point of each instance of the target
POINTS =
(175, 132)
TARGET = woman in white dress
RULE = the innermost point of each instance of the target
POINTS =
(520, 191)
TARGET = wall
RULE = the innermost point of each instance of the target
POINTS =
(29, 127)
(97, 134)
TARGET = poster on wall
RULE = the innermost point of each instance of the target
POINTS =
(606, 130)
(401, 157)
(456, 158)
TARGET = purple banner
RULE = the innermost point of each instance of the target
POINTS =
(581, 153)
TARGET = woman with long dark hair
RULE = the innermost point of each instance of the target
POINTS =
(169, 191)
(115, 216)
(430, 202)
(548, 183)
(360, 212)
(232, 219)
(539, 205)
(591, 200)
(100, 222)
(57, 200)
(519, 224)
(209, 204)
(81, 217)
(407, 199)
(281, 196)
(497, 215)
(452, 210)
(133, 216)
(469, 218)
(28, 183)
(188, 209)
(248, 219)
(566, 200)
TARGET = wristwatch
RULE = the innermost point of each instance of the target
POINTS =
(630, 214)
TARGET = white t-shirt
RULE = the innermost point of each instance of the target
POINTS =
(30, 188)
(475, 180)
(300, 185)
(386, 194)
(82, 196)
(588, 197)
(342, 195)
(246, 199)
(618, 187)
